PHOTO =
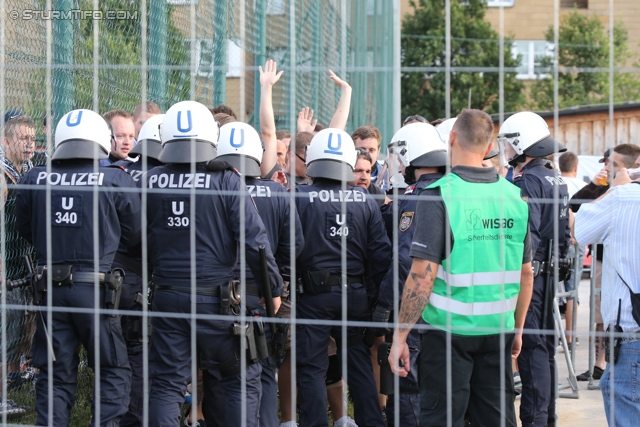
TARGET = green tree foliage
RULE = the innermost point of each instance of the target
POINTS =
(473, 44)
(583, 49)
(119, 61)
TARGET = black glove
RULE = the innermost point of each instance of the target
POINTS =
(380, 315)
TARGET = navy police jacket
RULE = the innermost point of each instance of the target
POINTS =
(72, 213)
(272, 201)
(406, 210)
(216, 203)
(324, 224)
(539, 184)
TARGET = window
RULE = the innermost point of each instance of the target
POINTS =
(580, 4)
(498, 3)
(532, 52)
(205, 58)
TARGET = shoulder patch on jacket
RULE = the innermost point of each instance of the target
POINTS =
(406, 220)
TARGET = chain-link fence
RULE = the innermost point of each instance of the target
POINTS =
(59, 55)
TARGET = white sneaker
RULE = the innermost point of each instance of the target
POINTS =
(289, 424)
(345, 422)
(11, 408)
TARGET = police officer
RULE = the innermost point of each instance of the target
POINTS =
(241, 146)
(80, 264)
(336, 217)
(423, 159)
(184, 194)
(146, 154)
(527, 140)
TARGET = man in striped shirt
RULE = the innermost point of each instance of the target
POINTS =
(613, 220)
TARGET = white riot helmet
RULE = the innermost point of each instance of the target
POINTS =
(445, 129)
(419, 145)
(187, 123)
(149, 138)
(241, 146)
(77, 134)
(331, 154)
(528, 134)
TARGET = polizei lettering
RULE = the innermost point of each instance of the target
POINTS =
(183, 180)
(54, 178)
(497, 222)
(337, 196)
(259, 190)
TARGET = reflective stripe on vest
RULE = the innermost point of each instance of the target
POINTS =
(478, 279)
(477, 285)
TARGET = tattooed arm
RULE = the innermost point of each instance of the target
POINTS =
(415, 298)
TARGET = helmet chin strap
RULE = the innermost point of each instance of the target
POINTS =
(519, 159)
(409, 175)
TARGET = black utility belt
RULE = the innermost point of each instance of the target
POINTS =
(213, 291)
(320, 282)
(63, 274)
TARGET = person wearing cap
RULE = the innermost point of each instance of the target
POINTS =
(145, 155)
(194, 212)
(470, 282)
(423, 159)
(76, 213)
(614, 159)
(527, 141)
(336, 216)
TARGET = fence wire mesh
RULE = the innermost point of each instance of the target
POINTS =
(445, 55)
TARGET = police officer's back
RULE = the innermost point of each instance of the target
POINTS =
(143, 157)
(527, 141)
(194, 233)
(336, 217)
(423, 157)
(241, 146)
(92, 209)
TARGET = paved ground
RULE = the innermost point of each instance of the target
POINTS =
(587, 409)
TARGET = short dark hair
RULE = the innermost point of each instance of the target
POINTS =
(149, 107)
(368, 131)
(318, 127)
(474, 129)
(224, 118)
(223, 109)
(629, 153)
(302, 140)
(568, 161)
(364, 154)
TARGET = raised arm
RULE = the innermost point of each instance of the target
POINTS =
(305, 121)
(340, 117)
(268, 77)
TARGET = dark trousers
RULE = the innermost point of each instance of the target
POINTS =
(536, 363)
(130, 327)
(213, 401)
(480, 379)
(312, 359)
(170, 360)
(408, 403)
(69, 330)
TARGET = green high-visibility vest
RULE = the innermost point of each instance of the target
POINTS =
(477, 286)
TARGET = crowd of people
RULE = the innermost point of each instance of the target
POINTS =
(276, 270)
